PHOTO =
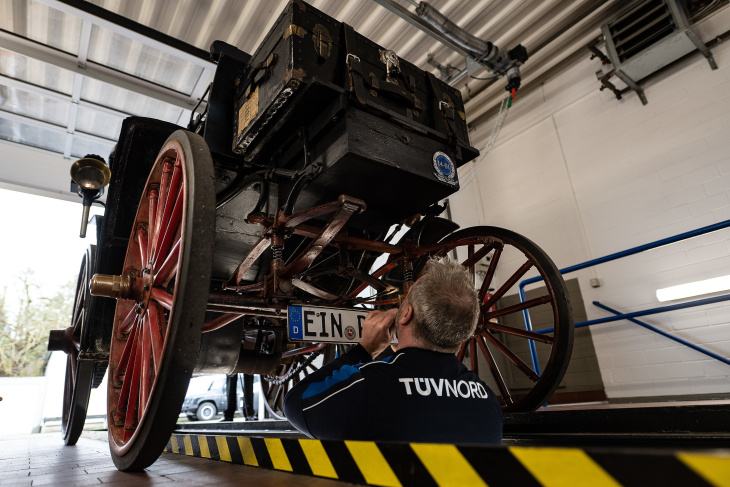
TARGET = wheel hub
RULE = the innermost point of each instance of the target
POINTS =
(62, 341)
(123, 287)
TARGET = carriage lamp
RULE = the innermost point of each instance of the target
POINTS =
(91, 174)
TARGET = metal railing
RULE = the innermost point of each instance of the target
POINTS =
(631, 316)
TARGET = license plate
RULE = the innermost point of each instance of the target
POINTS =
(320, 324)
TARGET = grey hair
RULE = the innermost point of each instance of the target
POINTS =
(445, 304)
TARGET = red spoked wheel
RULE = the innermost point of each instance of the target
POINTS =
(162, 296)
(502, 344)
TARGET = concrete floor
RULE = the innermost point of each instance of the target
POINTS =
(44, 460)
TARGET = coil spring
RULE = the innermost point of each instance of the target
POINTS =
(408, 275)
(277, 251)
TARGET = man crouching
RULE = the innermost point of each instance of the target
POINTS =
(421, 393)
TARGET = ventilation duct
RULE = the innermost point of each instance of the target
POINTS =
(646, 37)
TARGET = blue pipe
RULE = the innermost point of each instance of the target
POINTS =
(607, 258)
(671, 337)
(636, 250)
(652, 311)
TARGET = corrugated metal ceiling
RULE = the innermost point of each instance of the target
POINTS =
(48, 102)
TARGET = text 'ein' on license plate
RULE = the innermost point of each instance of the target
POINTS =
(319, 324)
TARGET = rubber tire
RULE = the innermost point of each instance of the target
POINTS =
(183, 339)
(562, 349)
(202, 415)
(79, 387)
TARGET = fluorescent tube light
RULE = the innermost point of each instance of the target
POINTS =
(696, 288)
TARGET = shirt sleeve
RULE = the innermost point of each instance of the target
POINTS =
(320, 405)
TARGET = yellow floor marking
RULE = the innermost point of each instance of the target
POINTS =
(317, 458)
(173, 444)
(188, 445)
(223, 452)
(715, 469)
(558, 467)
(203, 445)
(372, 464)
(277, 454)
(447, 465)
(249, 457)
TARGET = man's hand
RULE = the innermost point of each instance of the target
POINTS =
(378, 330)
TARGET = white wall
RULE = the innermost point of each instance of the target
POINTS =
(21, 408)
(585, 175)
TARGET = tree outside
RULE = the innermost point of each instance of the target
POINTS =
(25, 325)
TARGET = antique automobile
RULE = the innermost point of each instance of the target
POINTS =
(254, 240)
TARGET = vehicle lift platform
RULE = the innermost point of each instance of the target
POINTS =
(623, 444)
(682, 444)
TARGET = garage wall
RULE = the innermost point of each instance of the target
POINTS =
(585, 175)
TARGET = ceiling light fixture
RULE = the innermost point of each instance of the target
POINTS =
(696, 288)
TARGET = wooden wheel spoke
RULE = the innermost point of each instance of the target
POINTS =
(508, 285)
(74, 364)
(501, 385)
(152, 209)
(169, 229)
(473, 355)
(162, 297)
(490, 274)
(474, 257)
(469, 262)
(126, 353)
(377, 274)
(146, 346)
(522, 366)
(167, 169)
(142, 245)
(168, 203)
(128, 321)
(78, 322)
(168, 269)
(156, 338)
(132, 415)
(531, 335)
(126, 377)
(531, 303)
(79, 304)
(462, 351)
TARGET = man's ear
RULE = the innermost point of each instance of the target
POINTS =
(406, 315)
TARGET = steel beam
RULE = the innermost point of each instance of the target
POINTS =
(33, 122)
(133, 30)
(69, 62)
(54, 95)
(78, 84)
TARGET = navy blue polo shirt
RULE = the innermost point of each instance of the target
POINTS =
(414, 395)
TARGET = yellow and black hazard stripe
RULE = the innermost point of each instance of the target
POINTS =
(421, 464)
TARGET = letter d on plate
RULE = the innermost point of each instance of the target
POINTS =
(295, 322)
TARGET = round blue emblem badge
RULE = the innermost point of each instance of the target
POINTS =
(444, 168)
